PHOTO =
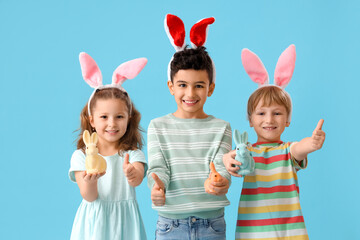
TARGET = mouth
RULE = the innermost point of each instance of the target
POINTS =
(112, 132)
(269, 128)
(190, 102)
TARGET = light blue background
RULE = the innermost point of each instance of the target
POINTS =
(42, 93)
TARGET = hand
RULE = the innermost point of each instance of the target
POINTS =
(231, 165)
(91, 177)
(129, 170)
(318, 136)
(158, 191)
(216, 184)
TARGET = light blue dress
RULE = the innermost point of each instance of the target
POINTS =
(115, 214)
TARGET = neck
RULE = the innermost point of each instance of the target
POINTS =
(200, 115)
(107, 149)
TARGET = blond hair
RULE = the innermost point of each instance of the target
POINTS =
(269, 95)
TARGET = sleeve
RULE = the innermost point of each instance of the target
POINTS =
(138, 156)
(77, 163)
(156, 158)
(298, 164)
(225, 147)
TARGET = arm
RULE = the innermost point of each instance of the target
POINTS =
(221, 186)
(158, 173)
(307, 145)
(134, 172)
(88, 184)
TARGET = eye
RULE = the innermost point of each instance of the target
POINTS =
(278, 113)
(120, 116)
(103, 116)
(182, 85)
(260, 113)
(199, 86)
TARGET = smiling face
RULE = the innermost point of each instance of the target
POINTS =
(191, 88)
(269, 122)
(110, 119)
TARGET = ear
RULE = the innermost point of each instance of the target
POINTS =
(86, 137)
(250, 123)
(175, 30)
(90, 70)
(171, 87)
(211, 89)
(287, 124)
(94, 138)
(237, 137)
(285, 67)
(128, 70)
(244, 137)
(198, 32)
(254, 67)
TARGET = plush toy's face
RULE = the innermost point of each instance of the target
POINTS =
(269, 122)
(110, 118)
(191, 88)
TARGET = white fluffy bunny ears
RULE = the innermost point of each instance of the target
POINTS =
(92, 74)
(283, 71)
(175, 30)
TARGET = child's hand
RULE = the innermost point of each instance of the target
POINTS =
(318, 136)
(92, 177)
(216, 184)
(158, 191)
(307, 145)
(133, 175)
(231, 165)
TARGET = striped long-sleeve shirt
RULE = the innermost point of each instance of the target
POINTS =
(180, 152)
(269, 206)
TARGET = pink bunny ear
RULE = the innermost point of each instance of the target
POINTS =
(198, 32)
(90, 70)
(128, 70)
(285, 67)
(254, 67)
(175, 30)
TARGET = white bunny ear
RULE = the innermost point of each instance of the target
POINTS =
(94, 138)
(285, 67)
(90, 70)
(86, 137)
(175, 30)
(128, 70)
(254, 67)
(198, 32)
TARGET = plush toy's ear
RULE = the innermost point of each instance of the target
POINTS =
(90, 70)
(254, 67)
(128, 70)
(175, 30)
(237, 137)
(86, 137)
(244, 137)
(285, 67)
(198, 32)
(94, 138)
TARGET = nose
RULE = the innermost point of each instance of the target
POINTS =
(190, 92)
(110, 121)
(269, 118)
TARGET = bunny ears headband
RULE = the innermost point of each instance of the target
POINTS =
(175, 30)
(92, 74)
(283, 71)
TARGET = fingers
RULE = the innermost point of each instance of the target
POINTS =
(319, 125)
(92, 177)
(217, 188)
(157, 180)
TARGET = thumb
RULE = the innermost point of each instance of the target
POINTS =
(157, 180)
(319, 125)
(215, 176)
(212, 167)
(126, 160)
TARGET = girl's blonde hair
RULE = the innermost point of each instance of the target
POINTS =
(269, 95)
(132, 138)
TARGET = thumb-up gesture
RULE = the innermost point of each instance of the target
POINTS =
(318, 136)
(158, 191)
(216, 184)
(129, 169)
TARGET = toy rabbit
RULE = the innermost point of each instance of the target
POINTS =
(243, 154)
(94, 163)
(213, 177)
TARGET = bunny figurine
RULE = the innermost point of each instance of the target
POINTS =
(213, 177)
(94, 163)
(243, 154)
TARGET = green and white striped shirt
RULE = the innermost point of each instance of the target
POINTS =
(180, 152)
